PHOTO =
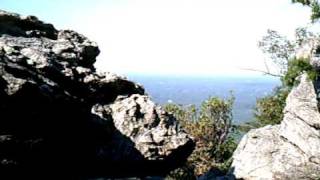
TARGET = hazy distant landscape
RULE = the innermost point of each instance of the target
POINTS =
(187, 90)
(82, 84)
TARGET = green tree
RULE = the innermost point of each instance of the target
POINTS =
(211, 127)
(297, 67)
(314, 5)
(280, 50)
(269, 109)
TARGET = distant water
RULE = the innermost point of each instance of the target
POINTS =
(193, 90)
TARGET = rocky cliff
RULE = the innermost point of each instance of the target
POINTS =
(58, 116)
(289, 150)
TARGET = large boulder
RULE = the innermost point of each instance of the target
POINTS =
(60, 117)
(289, 150)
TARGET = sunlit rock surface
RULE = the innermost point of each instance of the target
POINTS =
(286, 151)
(58, 116)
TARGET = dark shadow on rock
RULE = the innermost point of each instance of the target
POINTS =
(317, 90)
(12, 24)
(48, 86)
(45, 138)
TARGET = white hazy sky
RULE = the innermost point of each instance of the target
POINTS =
(172, 36)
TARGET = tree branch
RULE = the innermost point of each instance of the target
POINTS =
(264, 72)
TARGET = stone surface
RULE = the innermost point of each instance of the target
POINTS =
(61, 117)
(286, 151)
(154, 132)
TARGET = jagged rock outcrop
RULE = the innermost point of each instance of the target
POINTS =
(61, 118)
(289, 150)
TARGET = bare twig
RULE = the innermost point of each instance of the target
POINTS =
(264, 72)
(266, 65)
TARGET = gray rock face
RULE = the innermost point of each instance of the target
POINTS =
(154, 132)
(57, 111)
(286, 151)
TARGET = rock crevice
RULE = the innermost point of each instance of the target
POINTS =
(290, 149)
(57, 111)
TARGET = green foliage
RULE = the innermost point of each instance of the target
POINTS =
(269, 109)
(185, 172)
(314, 5)
(279, 49)
(223, 154)
(302, 35)
(315, 11)
(211, 127)
(295, 68)
(304, 2)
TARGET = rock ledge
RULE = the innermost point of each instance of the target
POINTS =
(289, 150)
(60, 117)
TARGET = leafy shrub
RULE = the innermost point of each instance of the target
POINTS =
(211, 127)
(295, 68)
(269, 109)
(315, 8)
(282, 53)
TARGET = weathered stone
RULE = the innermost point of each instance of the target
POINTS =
(286, 151)
(58, 114)
(155, 133)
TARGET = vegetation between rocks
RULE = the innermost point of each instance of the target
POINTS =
(211, 125)
(283, 55)
(212, 129)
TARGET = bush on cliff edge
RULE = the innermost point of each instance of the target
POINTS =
(211, 126)
(269, 109)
